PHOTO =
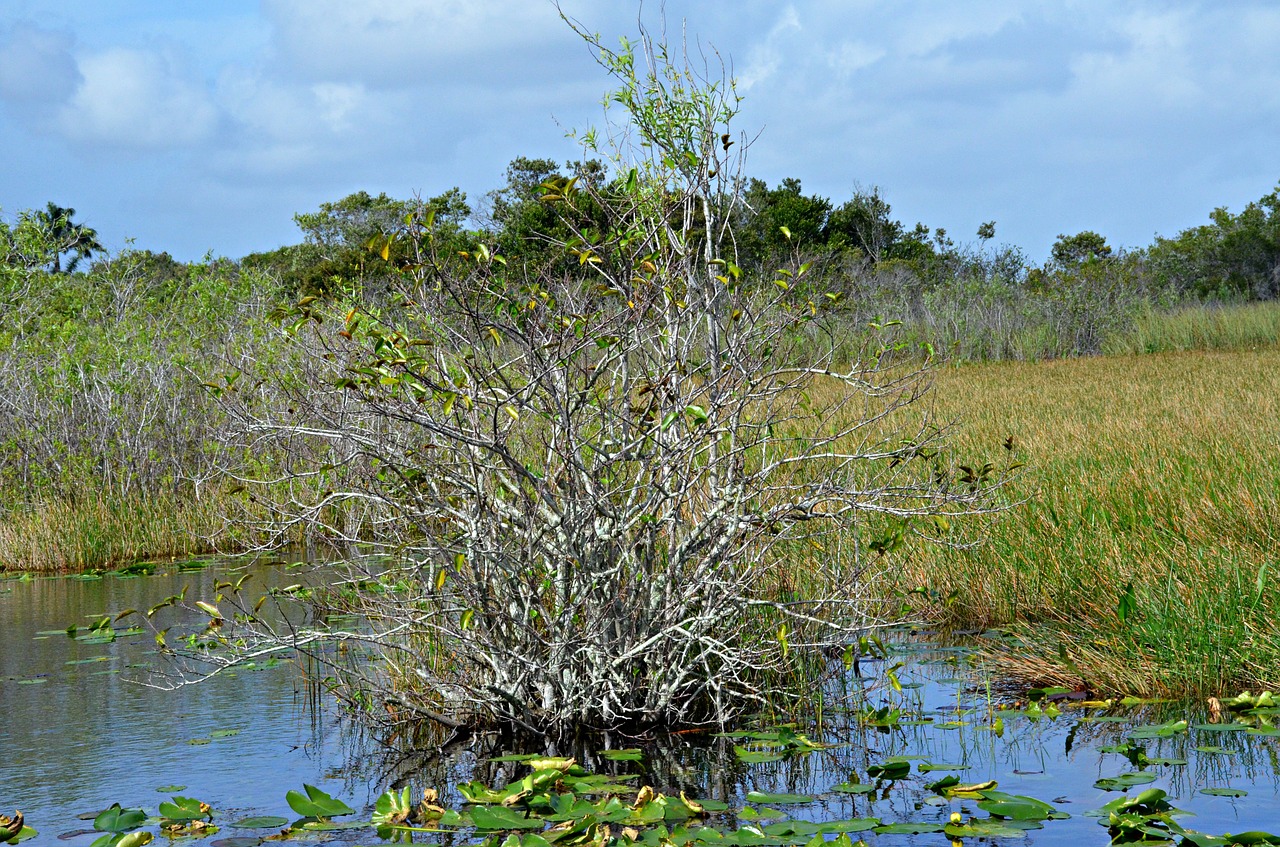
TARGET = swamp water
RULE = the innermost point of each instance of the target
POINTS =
(76, 736)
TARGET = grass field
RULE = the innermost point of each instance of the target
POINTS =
(1146, 557)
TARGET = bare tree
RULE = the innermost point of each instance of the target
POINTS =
(601, 500)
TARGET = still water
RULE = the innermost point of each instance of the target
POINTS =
(78, 733)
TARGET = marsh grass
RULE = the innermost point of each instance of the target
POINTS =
(1146, 556)
(107, 531)
(1200, 327)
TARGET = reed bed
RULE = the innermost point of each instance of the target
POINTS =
(1145, 557)
(102, 532)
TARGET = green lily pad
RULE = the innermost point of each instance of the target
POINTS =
(892, 769)
(1220, 727)
(926, 767)
(1224, 792)
(1160, 760)
(908, 828)
(629, 755)
(1017, 807)
(984, 829)
(171, 789)
(853, 788)
(779, 799)
(262, 822)
(755, 757)
(764, 813)
(1213, 748)
(1124, 781)
(501, 819)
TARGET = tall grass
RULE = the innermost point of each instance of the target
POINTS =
(1200, 327)
(1145, 559)
(105, 531)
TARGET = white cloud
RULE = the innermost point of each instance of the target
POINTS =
(138, 99)
(399, 44)
(764, 59)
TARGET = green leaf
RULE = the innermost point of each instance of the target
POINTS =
(117, 819)
(908, 828)
(316, 803)
(262, 822)
(778, 799)
(1224, 792)
(1124, 781)
(852, 788)
(501, 819)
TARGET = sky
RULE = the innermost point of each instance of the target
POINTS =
(198, 127)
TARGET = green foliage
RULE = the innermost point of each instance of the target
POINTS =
(1235, 255)
(1072, 251)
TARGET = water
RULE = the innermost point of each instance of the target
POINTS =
(77, 733)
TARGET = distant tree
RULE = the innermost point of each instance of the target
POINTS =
(1071, 251)
(522, 225)
(774, 221)
(1233, 254)
(342, 235)
(66, 236)
(865, 223)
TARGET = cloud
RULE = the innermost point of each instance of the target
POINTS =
(764, 59)
(138, 99)
(36, 66)
(394, 45)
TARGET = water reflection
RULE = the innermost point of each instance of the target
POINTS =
(78, 736)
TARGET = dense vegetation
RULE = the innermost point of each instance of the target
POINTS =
(152, 407)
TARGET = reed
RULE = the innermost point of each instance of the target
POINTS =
(1208, 326)
(1145, 557)
(97, 532)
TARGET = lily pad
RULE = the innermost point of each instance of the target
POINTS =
(984, 829)
(629, 755)
(1124, 781)
(1224, 792)
(853, 788)
(1220, 727)
(908, 828)
(262, 822)
(171, 789)
(779, 799)
(502, 819)
(1213, 748)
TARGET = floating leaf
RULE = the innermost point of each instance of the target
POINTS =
(1224, 792)
(262, 822)
(1213, 748)
(629, 755)
(984, 829)
(853, 788)
(501, 819)
(1124, 780)
(892, 769)
(779, 799)
(908, 828)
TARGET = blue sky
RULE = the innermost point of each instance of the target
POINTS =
(197, 127)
